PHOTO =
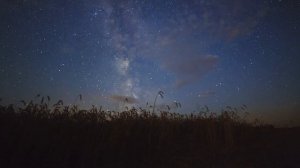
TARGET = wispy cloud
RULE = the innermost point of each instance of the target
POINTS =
(184, 46)
(206, 94)
(189, 69)
(124, 99)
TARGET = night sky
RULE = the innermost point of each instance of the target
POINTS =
(202, 52)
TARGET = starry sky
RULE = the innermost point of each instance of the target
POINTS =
(199, 52)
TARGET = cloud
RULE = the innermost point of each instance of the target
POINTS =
(206, 94)
(186, 43)
(190, 69)
(188, 62)
(124, 99)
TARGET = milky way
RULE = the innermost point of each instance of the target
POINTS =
(199, 53)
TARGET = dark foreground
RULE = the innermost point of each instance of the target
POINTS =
(36, 137)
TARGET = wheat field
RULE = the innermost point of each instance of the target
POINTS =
(44, 135)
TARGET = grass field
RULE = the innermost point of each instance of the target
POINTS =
(38, 136)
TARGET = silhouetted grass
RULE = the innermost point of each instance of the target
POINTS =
(62, 136)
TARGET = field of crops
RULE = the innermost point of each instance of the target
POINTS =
(36, 135)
